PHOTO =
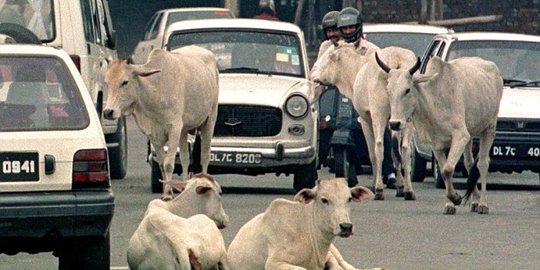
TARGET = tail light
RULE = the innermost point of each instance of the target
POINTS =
(76, 60)
(91, 169)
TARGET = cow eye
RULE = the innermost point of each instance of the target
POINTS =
(324, 200)
(350, 199)
(407, 91)
(124, 83)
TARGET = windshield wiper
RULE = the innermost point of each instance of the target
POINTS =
(512, 82)
(529, 83)
(246, 70)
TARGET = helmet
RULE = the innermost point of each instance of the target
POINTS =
(347, 17)
(329, 21)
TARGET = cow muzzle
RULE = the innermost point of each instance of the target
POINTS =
(108, 114)
(345, 230)
(395, 124)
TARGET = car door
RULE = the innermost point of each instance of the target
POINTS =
(151, 39)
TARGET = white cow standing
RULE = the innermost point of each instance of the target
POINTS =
(358, 77)
(452, 102)
(169, 95)
(299, 234)
(182, 233)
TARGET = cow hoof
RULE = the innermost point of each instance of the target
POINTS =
(455, 198)
(379, 195)
(482, 209)
(166, 198)
(474, 207)
(399, 192)
(449, 210)
(409, 196)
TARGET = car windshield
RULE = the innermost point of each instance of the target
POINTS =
(247, 51)
(39, 93)
(416, 42)
(518, 61)
(176, 16)
(36, 15)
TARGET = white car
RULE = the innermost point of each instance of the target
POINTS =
(517, 142)
(55, 191)
(267, 120)
(154, 32)
(85, 31)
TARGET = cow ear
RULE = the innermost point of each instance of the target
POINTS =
(305, 195)
(420, 78)
(144, 72)
(360, 193)
(202, 189)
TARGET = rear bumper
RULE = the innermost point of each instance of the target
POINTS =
(55, 215)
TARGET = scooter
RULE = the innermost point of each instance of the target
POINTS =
(342, 146)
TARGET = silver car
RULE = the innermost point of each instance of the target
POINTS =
(267, 119)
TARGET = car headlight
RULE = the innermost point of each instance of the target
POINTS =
(296, 106)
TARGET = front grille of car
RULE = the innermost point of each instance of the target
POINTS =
(247, 121)
(518, 125)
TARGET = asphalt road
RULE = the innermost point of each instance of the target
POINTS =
(394, 234)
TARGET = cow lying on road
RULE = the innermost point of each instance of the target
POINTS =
(182, 233)
(449, 104)
(298, 234)
(169, 95)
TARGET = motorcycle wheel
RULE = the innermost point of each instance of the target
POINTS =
(342, 167)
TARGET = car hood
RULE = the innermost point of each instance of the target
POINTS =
(260, 89)
(520, 102)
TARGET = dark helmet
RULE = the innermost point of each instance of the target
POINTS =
(267, 6)
(329, 21)
(350, 16)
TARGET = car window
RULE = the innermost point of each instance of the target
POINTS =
(176, 16)
(516, 60)
(416, 42)
(154, 27)
(433, 49)
(36, 15)
(247, 51)
(38, 93)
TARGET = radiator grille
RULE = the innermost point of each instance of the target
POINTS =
(247, 121)
(519, 125)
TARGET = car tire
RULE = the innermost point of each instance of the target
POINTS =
(418, 166)
(343, 168)
(305, 176)
(439, 181)
(91, 254)
(118, 156)
(19, 33)
(155, 175)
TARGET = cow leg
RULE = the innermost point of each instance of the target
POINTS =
(184, 153)
(378, 147)
(468, 162)
(168, 164)
(396, 137)
(486, 141)
(459, 140)
(449, 207)
(367, 129)
(405, 166)
(206, 133)
(335, 261)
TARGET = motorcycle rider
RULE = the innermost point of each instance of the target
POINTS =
(350, 27)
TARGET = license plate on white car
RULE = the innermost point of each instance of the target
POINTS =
(19, 166)
(235, 158)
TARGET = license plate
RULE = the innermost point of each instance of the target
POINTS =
(235, 158)
(515, 151)
(19, 166)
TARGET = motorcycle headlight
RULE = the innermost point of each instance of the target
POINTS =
(297, 106)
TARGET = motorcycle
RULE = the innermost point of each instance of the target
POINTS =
(342, 146)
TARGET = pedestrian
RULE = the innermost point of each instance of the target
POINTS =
(266, 11)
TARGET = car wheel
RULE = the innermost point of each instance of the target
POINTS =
(343, 168)
(155, 176)
(118, 156)
(92, 254)
(418, 166)
(305, 176)
(19, 33)
(439, 182)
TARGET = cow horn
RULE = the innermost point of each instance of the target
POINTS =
(381, 64)
(415, 67)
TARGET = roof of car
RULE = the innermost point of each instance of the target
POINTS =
(235, 24)
(194, 9)
(401, 27)
(13, 48)
(490, 36)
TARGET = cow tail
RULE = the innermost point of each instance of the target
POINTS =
(196, 166)
(472, 179)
